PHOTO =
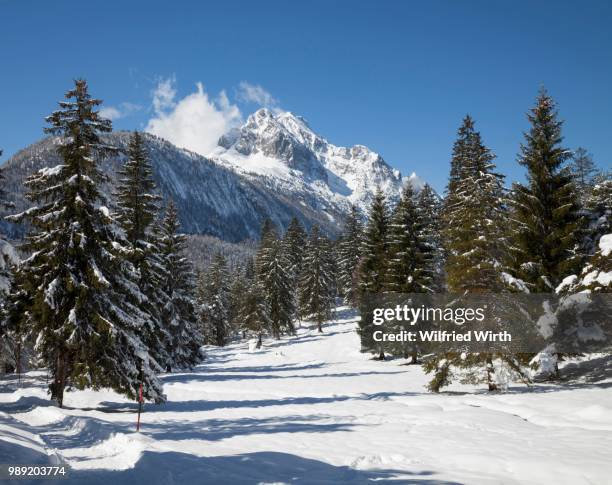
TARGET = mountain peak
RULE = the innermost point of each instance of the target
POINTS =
(281, 148)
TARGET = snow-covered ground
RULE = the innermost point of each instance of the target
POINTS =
(311, 410)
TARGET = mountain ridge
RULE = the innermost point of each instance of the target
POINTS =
(273, 166)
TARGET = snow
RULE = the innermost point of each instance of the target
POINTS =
(567, 283)
(605, 244)
(312, 409)
(601, 277)
(281, 150)
(514, 282)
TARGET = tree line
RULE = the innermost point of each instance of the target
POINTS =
(542, 236)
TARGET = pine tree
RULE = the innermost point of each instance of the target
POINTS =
(178, 314)
(317, 281)
(10, 340)
(238, 288)
(408, 265)
(371, 270)
(254, 312)
(214, 302)
(294, 242)
(138, 207)
(474, 217)
(471, 216)
(349, 254)
(16, 336)
(580, 317)
(406, 270)
(274, 278)
(598, 205)
(81, 288)
(583, 170)
(429, 208)
(545, 208)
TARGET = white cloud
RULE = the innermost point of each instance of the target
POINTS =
(121, 111)
(163, 94)
(110, 112)
(194, 122)
(254, 93)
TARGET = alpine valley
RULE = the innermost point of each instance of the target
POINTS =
(273, 166)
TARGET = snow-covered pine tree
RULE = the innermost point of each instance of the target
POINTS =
(474, 219)
(598, 206)
(254, 312)
(82, 288)
(273, 276)
(294, 242)
(545, 209)
(471, 216)
(213, 296)
(268, 236)
(371, 269)
(10, 337)
(137, 209)
(349, 253)
(238, 286)
(583, 314)
(317, 281)
(178, 314)
(429, 207)
(406, 270)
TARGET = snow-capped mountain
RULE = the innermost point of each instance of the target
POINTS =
(273, 166)
(282, 151)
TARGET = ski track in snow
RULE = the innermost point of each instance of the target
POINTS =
(312, 409)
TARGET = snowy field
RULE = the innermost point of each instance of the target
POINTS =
(312, 410)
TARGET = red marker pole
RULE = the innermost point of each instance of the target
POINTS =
(139, 400)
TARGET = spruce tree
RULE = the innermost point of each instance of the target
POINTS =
(294, 242)
(545, 208)
(238, 288)
(254, 312)
(598, 207)
(474, 218)
(429, 208)
(349, 253)
(178, 313)
(214, 302)
(317, 281)
(82, 290)
(583, 170)
(274, 278)
(471, 216)
(10, 338)
(406, 270)
(138, 207)
(372, 270)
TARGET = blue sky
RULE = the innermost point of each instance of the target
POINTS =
(397, 76)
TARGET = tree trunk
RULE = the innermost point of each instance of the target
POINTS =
(258, 342)
(18, 361)
(59, 380)
(491, 374)
(319, 328)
